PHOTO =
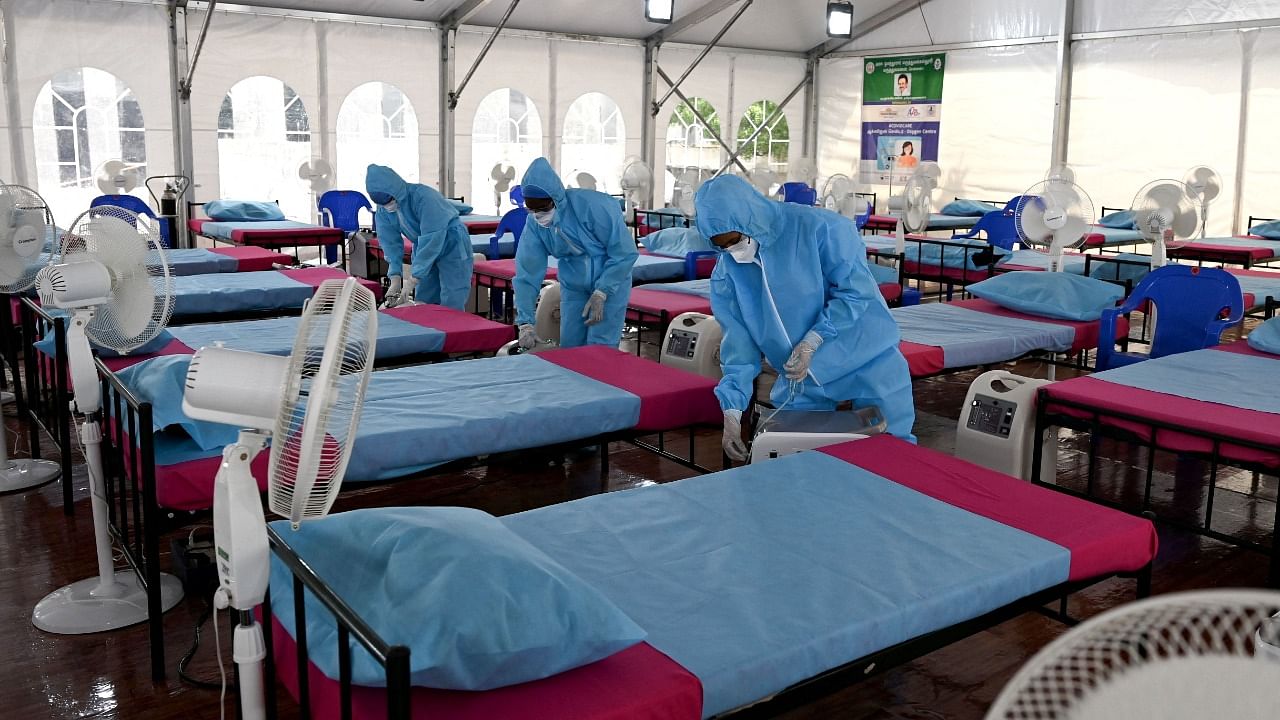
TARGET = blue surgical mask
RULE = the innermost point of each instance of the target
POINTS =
(545, 218)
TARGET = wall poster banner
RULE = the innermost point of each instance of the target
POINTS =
(901, 114)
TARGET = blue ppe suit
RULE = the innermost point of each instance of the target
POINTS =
(593, 249)
(442, 253)
(812, 263)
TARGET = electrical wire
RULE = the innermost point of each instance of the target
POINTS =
(222, 673)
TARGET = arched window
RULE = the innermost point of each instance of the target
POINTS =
(506, 131)
(689, 146)
(83, 118)
(594, 141)
(376, 124)
(772, 140)
(264, 135)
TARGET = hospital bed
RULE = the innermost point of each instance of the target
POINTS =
(942, 337)
(937, 221)
(415, 420)
(271, 234)
(651, 221)
(772, 582)
(1215, 404)
(225, 296)
(406, 335)
(949, 263)
(235, 258)
(481, 225)
(1243, 250)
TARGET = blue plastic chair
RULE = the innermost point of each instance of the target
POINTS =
(799, 193)
(512, 222)
(1192, 305)
(999, 228)
(517, 196)
(341, 209)
(136, 205)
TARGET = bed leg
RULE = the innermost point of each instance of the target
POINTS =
(604, 466)
(1143, 591)
(1273, 572)
(398, 683)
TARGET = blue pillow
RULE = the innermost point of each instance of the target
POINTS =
(1269, 230)
(1266, 337)
(162, 382)
(478, 606)
(968, 208)
(676, 242)
(1122, 220)
(463, 208)
(242, 211)
(1059, 295)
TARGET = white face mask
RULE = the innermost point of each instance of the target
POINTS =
(744, 251)
(391, 205)
(545, 218)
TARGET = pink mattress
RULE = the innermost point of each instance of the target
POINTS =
(669, 398)
(499, 274)
(653, 303)
(1233, 253)
(316, 275)
(290, 237)
(1252, 425)
(196, 225)
(254, 259)
(480, 227)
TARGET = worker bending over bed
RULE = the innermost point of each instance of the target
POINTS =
(793, 284)
(586, 234)
(441, 257)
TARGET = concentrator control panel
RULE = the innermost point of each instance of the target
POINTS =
(682, 343)
(992, 416)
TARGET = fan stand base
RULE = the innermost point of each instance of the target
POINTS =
(27, 473)
(76, 610)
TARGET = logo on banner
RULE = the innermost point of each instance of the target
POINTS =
(871, 67)
(937, 64)
(914, 112)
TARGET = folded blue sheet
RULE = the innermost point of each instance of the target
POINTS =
(223, 230)
(968, 208)
(968, 337)
(1266, 337)
(238, 292)
(1269, 230)
(1073, 264)
(275, 336)
(418, 417)
(759, 577)
(198, 261)
(1122, 220)
(1225, 378)
(676, 242)
(698, 288)
(243, 210)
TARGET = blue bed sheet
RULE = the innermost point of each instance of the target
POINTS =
(759, 577)
(238, 292)
(223, 230)
(1116, 236)
(1272, 245)
(650, 268)
(953, 255)
(506, 245)
(275, 336)
(1260, 288)
(1215, 376)
(938, 221)
(698, 288)
(418, 417)
(198, 261)
(1073, 264)
(969, 337)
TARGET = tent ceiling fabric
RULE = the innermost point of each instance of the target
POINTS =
(776, 25)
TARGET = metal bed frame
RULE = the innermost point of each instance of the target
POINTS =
(297, 248)
(47, 397)
(395, 658)
(137, 520)
(1097, 429)
(938, 273)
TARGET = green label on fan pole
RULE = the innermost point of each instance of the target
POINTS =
(901, 115)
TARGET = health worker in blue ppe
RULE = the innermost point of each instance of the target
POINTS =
(585, 232)
(792, 284)
(441, 259)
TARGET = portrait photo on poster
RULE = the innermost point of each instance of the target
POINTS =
(898, 151)
(902, 85)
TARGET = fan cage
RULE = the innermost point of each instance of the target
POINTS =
(130, 246)
(27, 200)
(1058, 189)
(1169, 201)
(357, 336)
(1167, 629)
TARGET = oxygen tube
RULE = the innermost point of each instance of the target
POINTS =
(794, 387)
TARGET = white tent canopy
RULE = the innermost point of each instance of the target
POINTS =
(1154, 89)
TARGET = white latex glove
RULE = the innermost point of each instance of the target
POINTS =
(410, 287)
(394, 292)
(594, 310)
(797, 366)
(528, 337)
(732, 442)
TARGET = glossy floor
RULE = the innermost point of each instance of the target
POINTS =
(106, 675)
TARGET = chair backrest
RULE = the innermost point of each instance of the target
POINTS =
(1189, 304)
(512, 222)
(341, 209)
(999, 228)
(517, 196)
(799, 193)
(136, 205)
